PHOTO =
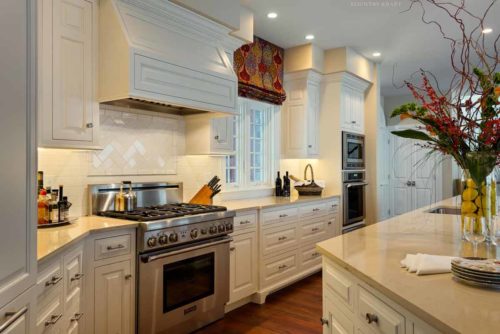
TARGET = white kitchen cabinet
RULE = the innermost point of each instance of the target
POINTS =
(300, 115)
(335, 321)
(113, 298)
(207, 134)
(18, 317)
(110, 291)
(243, 277)
(353, 109)
(17, 156)
(67, 49)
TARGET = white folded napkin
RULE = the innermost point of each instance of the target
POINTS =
(425, 264)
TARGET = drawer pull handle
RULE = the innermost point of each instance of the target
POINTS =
(316, 209)
(77, 317)
(334, 205)
(244, 222)
(283, 215)
(127, 277)
(323, 321)
(282, 238)
(77, 277)
(119, 246)
(53, 320)
(371, 318)
(284, 266)
(329, 223)
(53, 281)
(316, 254)
(11, 317)
(232, 248)
(315, 229)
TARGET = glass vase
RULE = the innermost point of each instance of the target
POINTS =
(480, 201)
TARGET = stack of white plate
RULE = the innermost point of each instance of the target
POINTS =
(477, 271)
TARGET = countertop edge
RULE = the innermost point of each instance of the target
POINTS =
(302, 200)
(418, 312)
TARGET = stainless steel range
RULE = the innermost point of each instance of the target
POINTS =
(183, 255)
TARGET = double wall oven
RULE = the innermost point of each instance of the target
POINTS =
(354, 184)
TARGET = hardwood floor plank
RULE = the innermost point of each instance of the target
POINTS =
(293, 310)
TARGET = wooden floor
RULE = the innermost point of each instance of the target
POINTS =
(295, 310)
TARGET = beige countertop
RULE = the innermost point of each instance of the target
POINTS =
(55, 239)
(270, 201)
(373, 254)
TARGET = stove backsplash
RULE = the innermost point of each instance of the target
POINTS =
(129, 139)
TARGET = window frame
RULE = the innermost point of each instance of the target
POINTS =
(271, 153)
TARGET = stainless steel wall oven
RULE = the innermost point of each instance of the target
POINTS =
(354, 200)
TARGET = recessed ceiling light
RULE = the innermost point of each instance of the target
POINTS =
(376, 54)
(272, 15)
(487, 30)
(309, 37)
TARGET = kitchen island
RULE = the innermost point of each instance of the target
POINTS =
(365, 289)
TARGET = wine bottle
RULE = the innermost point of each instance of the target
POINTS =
(278, 185)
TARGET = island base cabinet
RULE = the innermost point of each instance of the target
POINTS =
(113, 298)
(243, 266)
(335, 321)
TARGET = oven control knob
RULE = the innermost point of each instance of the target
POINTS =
(173, 237)
(151, 241)
(229, 226)
(204, 231)
(163, 239)
(213, 229)
(194, 233)
(221, 228)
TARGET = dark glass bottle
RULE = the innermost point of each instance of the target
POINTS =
(286, 185)
(278, 186)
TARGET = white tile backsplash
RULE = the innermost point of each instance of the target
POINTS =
(138, 145)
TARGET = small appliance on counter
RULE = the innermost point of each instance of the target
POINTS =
(53, 206)
(182, 253)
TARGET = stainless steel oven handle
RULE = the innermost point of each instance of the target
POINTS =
(349, 185)
(189, 249)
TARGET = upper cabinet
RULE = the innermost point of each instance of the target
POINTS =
(67, 45)
(18, 160)
(209, 135)
(352, 104)
(300, 115)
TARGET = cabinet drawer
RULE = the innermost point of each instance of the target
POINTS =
(278, 268)
(313, 210)
(280, 238)
(279, 216)
(73, 317)
(245, 221)
(49, 278)
(332, 226)
(113, 246)
(50, 307)
(339, 284)
(313, 230)
(73, 275)
(309, 257)
(333, 206)
(384, 319)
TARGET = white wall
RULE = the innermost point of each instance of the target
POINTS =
(75, 170)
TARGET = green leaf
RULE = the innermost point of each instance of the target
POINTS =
(412, 134)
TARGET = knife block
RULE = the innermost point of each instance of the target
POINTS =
(203, 196)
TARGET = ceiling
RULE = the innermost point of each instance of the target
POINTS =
(406, 43)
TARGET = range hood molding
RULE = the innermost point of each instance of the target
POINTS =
(156, 51)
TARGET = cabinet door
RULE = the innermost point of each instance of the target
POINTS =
(243, 266)
(72, 96)
(222, 134)
(113, 308)
(18, 315)
(17, 154)
(73, 278)
(313, 119)
(336, 321)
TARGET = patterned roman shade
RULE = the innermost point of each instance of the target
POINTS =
(259, 66)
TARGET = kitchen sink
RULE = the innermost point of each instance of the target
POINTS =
(444, 210)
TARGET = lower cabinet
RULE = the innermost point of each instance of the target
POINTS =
(113, 298)
(18, 316)
(335, 321)
(243, 266)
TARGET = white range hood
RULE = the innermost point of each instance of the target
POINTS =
(158, 56)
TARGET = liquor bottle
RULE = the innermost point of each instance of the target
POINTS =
(60, 206)
(43, 211)
(39, 178)
(278, 185)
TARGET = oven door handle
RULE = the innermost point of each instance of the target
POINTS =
(151, 258)
(349, 185)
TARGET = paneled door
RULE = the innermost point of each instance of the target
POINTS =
(401, 173)
(72, 116)
(243, 266)
(18, 149)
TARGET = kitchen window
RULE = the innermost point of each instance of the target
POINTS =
(254, 140)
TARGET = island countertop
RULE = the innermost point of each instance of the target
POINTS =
(373, 254)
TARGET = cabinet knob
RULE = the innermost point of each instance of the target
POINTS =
(323, 321)
(232, 248)
(216, 137)
(89, 125)
(127, 277)
(310, 146)
(408, 183)
(370, 317)
(353, 122)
